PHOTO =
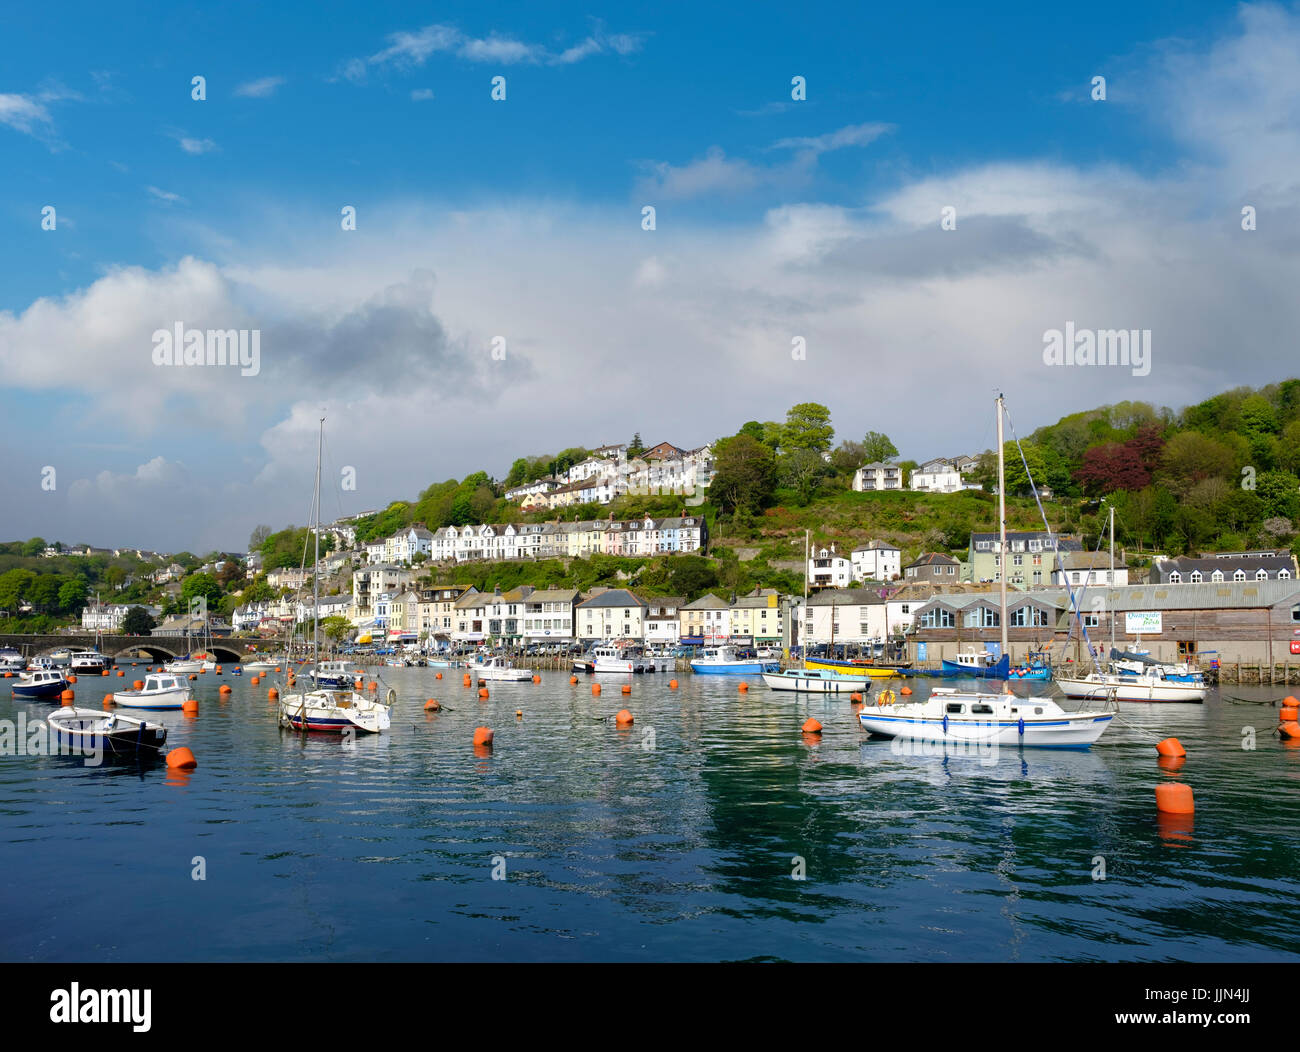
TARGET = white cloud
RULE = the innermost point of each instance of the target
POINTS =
(852, 135)
(196, 146)
(712, 173)
(421, 94)
(165, 195)
(23, 113)
(259, 89)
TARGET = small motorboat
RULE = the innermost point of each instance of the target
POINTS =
(11, 660)
(43, 664)
(90, 732)
(161, 691)
(625, 659)
(816, 681)
(266, 664)
(42, 683)
(335, 675)
(722, 661)
(956, 717)
(1152, 685)
(498, 668)
(978, 663)
(184, 666)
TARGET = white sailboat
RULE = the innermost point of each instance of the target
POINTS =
(1149, 683)
(331, 710)
(805, 680)
(961, 717)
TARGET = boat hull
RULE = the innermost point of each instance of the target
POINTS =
(871, 671)
(155, 701)
(90, 731)
(813, 684)
(1059, 732)
(325, 714)
(733, 668)
(39, 690)
(1132, 689)
(998, 670)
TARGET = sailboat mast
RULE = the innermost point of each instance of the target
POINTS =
(803, 646)
(1111, 580)
(1002, 531)
(315, 569)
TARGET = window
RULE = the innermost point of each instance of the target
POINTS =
(1261, 574)
(1217, 575)
(1175, 577)
(1196, 577)
(955, 708)
(1091, 620)
(1240, 575)
(1284, 575)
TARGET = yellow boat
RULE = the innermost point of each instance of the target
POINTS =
(836, 665)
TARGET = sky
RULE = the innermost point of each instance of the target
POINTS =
(500, 294)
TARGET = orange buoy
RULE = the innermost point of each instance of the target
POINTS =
(219, 670)
(120, 673)
(255, 680)
(811, 726)
(519, 714)
(437, 675)
(372, 685)
(273, 694)
(193, 676)
(182, 758)
(357, 684)
(108, 700)
(277, 668)
(137, 684)
(482, 692)
(537, 679)
(431, 705)
(483, 736)
(1288, 714)
(1289, 730)
(72, 678)
(1291, 701)
(627, 688)
(595, 688)
(225, 689)
(67, 696)
(1171, 747)
(10, 675)
(189, 705)
(466, 679)
(572, 680)
(623, 718)
(906, 691)
(855, 696)
(672, 684)
(1174, 798)
(104, 673)
(742, 687)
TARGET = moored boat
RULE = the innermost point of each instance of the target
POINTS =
(498, 668)
(855, 668)
(161, 691)
(1152, 685)
(816, 681)
(89, 661)
(91, 731)
(979, 664)
(40, 683)
(722, 661)
(334, 711)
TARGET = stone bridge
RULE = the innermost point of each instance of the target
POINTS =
(160, 648)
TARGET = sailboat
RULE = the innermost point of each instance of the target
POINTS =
(964, 717)
(1127, 683)
(815, 680)
(328, 709)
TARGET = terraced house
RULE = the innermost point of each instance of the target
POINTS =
(614, 613)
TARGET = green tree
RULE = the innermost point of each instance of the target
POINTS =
(877, 448)
(807, 426)
(72, 594)
(744, 475)
(44, 592)
(201, 584)
(1279, 491)
(34, 547)
(137, 622)
(802, 471)
(14, 588)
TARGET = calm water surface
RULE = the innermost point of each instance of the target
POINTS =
(616, 851)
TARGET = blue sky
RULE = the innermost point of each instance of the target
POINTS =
(521, 218)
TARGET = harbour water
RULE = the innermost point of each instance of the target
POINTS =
(680, 838)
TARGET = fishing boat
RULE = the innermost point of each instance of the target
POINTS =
(162, 691)
(816, 681)
(89, 661)
(90, 731)
(625, 659)
(722, 661)
(1036, 668)
(1152, 685)
(1137, 661)
(328, 710)
(978, 663)
(973, 718)
(960, 717)
(498, 668)
(335, 674)
(40, 683)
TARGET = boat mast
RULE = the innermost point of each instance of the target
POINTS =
(1002, 529)
(1111, 579)
(803, 613)
(315, 570)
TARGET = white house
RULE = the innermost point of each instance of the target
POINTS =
(878, 476)
(829, 569)
(876, 561)
(106, 618)
(612, 614)
(548, 615)
(936, 476)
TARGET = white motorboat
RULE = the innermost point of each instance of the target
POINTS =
(90, 732)
(816, 681)
(338, 675)
(498, 668)
(722, 661)
(625, 659)
(1151, 685)
(40, 683)
(89, 661)
(263, 665)
(11, 660)
(183, 666)
(973, 718)
(334, 711)
(161, 691)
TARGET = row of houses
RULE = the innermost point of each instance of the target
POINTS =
(543, 540)
(941, 475)
(611, 472)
